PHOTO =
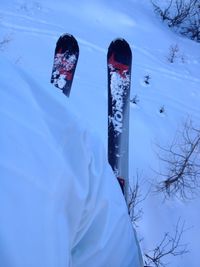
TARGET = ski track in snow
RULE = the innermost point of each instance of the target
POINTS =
(42, 23)
(6, 15)
(43, 32)
(40, 30)
(165, 70)
(168, 73)
(92, 45)
(41, 27)
(31, 30)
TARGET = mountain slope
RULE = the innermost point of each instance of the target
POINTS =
(33, 28)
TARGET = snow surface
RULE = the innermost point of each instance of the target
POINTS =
(29, 31)
(57, 208)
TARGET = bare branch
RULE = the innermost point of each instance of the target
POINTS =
(169, 245)
(182, 164)
(182, 15)
(135, 199)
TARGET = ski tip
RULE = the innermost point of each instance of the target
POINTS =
(120, 44)
(119, 40)
(121, 50)
(68, 40)
(65, 35)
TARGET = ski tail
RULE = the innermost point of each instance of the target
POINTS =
(65, 61)
(119, 60)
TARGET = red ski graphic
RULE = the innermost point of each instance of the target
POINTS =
(65, 61)
(117, 66)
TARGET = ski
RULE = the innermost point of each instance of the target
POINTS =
(65, 61)
(119, 60)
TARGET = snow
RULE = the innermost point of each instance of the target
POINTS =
(117, 86)
(57, 208)
(32, 111)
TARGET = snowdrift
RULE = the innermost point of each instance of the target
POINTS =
(60, 203)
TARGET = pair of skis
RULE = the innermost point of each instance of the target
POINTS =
(119, 58)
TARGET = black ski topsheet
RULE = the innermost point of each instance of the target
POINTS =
(119, 60)
(65, 61)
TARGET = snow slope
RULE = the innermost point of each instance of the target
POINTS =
(33, 28)
(60, 203)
